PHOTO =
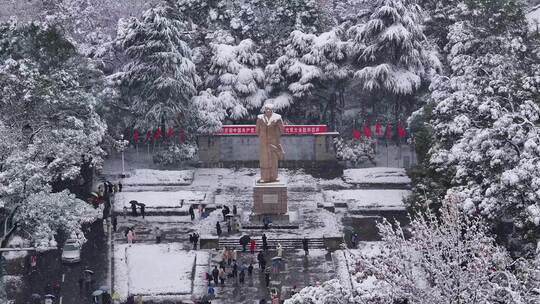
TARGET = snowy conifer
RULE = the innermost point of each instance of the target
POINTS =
(160, 79)
(390, 49)
(235, 82)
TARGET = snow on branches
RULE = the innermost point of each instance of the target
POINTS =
(447, 259)
(391, 49)
(235, 85)
(160, 79)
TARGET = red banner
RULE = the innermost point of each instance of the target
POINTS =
(289, 129)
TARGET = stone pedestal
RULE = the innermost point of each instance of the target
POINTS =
(270, 198)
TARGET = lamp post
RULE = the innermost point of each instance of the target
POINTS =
(121, 146)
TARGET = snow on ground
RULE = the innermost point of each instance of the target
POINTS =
(345, 262)
(153, 269)
(368, 199)
(376, 175)
(158, 177)
(164, 201)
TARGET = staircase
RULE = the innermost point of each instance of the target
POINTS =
(286, 243)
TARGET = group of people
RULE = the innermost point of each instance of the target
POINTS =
(109, 188)
(201, 210)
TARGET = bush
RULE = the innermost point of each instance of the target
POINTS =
(176, 154)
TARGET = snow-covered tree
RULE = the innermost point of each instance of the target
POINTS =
(235, 82)
(391, 52)
(355, 151)
(50, 127)
(446, 259)
(330, 292)
(314, 72)
(160, 79)
(485, 117)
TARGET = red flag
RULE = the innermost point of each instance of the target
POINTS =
(356, 134)
(401, 131)
(181, 136)
(367, 131)
(157, 135)
(135, 136)
(170, 132)
(148, 135)
(388, 132)
(378, 129)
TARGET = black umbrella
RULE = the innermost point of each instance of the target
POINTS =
(133, 202)
(141, 205)
(245, 239)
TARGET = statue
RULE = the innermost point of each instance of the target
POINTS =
(269, 129)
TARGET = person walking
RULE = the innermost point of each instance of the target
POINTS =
(195, 240)
(130, 236)
(229, 227)
(158, 234)
(242, 276)
(139, 300)
(124, 212)
(279, 250)
(114, 222)
(218, 228)
(191, 212)
(143, 213)
(234, 269)
(215, 275)
(221, 276)
(261, 260)
(252, 246)
(119, 186)
(211, 291)
(250, 269)
(265, 242)
(133, 209)
(305, 245)
(267, 277)
(354, 239)
(234, 255)
(234, 210)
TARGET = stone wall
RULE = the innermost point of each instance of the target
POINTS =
(227, 150)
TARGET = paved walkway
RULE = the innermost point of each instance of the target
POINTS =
(296, 270)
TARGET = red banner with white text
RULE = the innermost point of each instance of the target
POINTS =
(289, 129)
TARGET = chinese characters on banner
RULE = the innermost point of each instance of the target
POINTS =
(289, 129)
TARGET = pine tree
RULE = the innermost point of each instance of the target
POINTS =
(313, 72)
(235, 82)
(160, 79)
(391, 52)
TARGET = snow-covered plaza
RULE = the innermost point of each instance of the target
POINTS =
(317, 207)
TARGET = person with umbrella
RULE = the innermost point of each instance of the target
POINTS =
(244, 241)
(143, 212)
(267, 276)
(133, 208)
(225, 210)
(87, 273)
(234, 210)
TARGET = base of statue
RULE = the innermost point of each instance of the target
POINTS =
(270, 198)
